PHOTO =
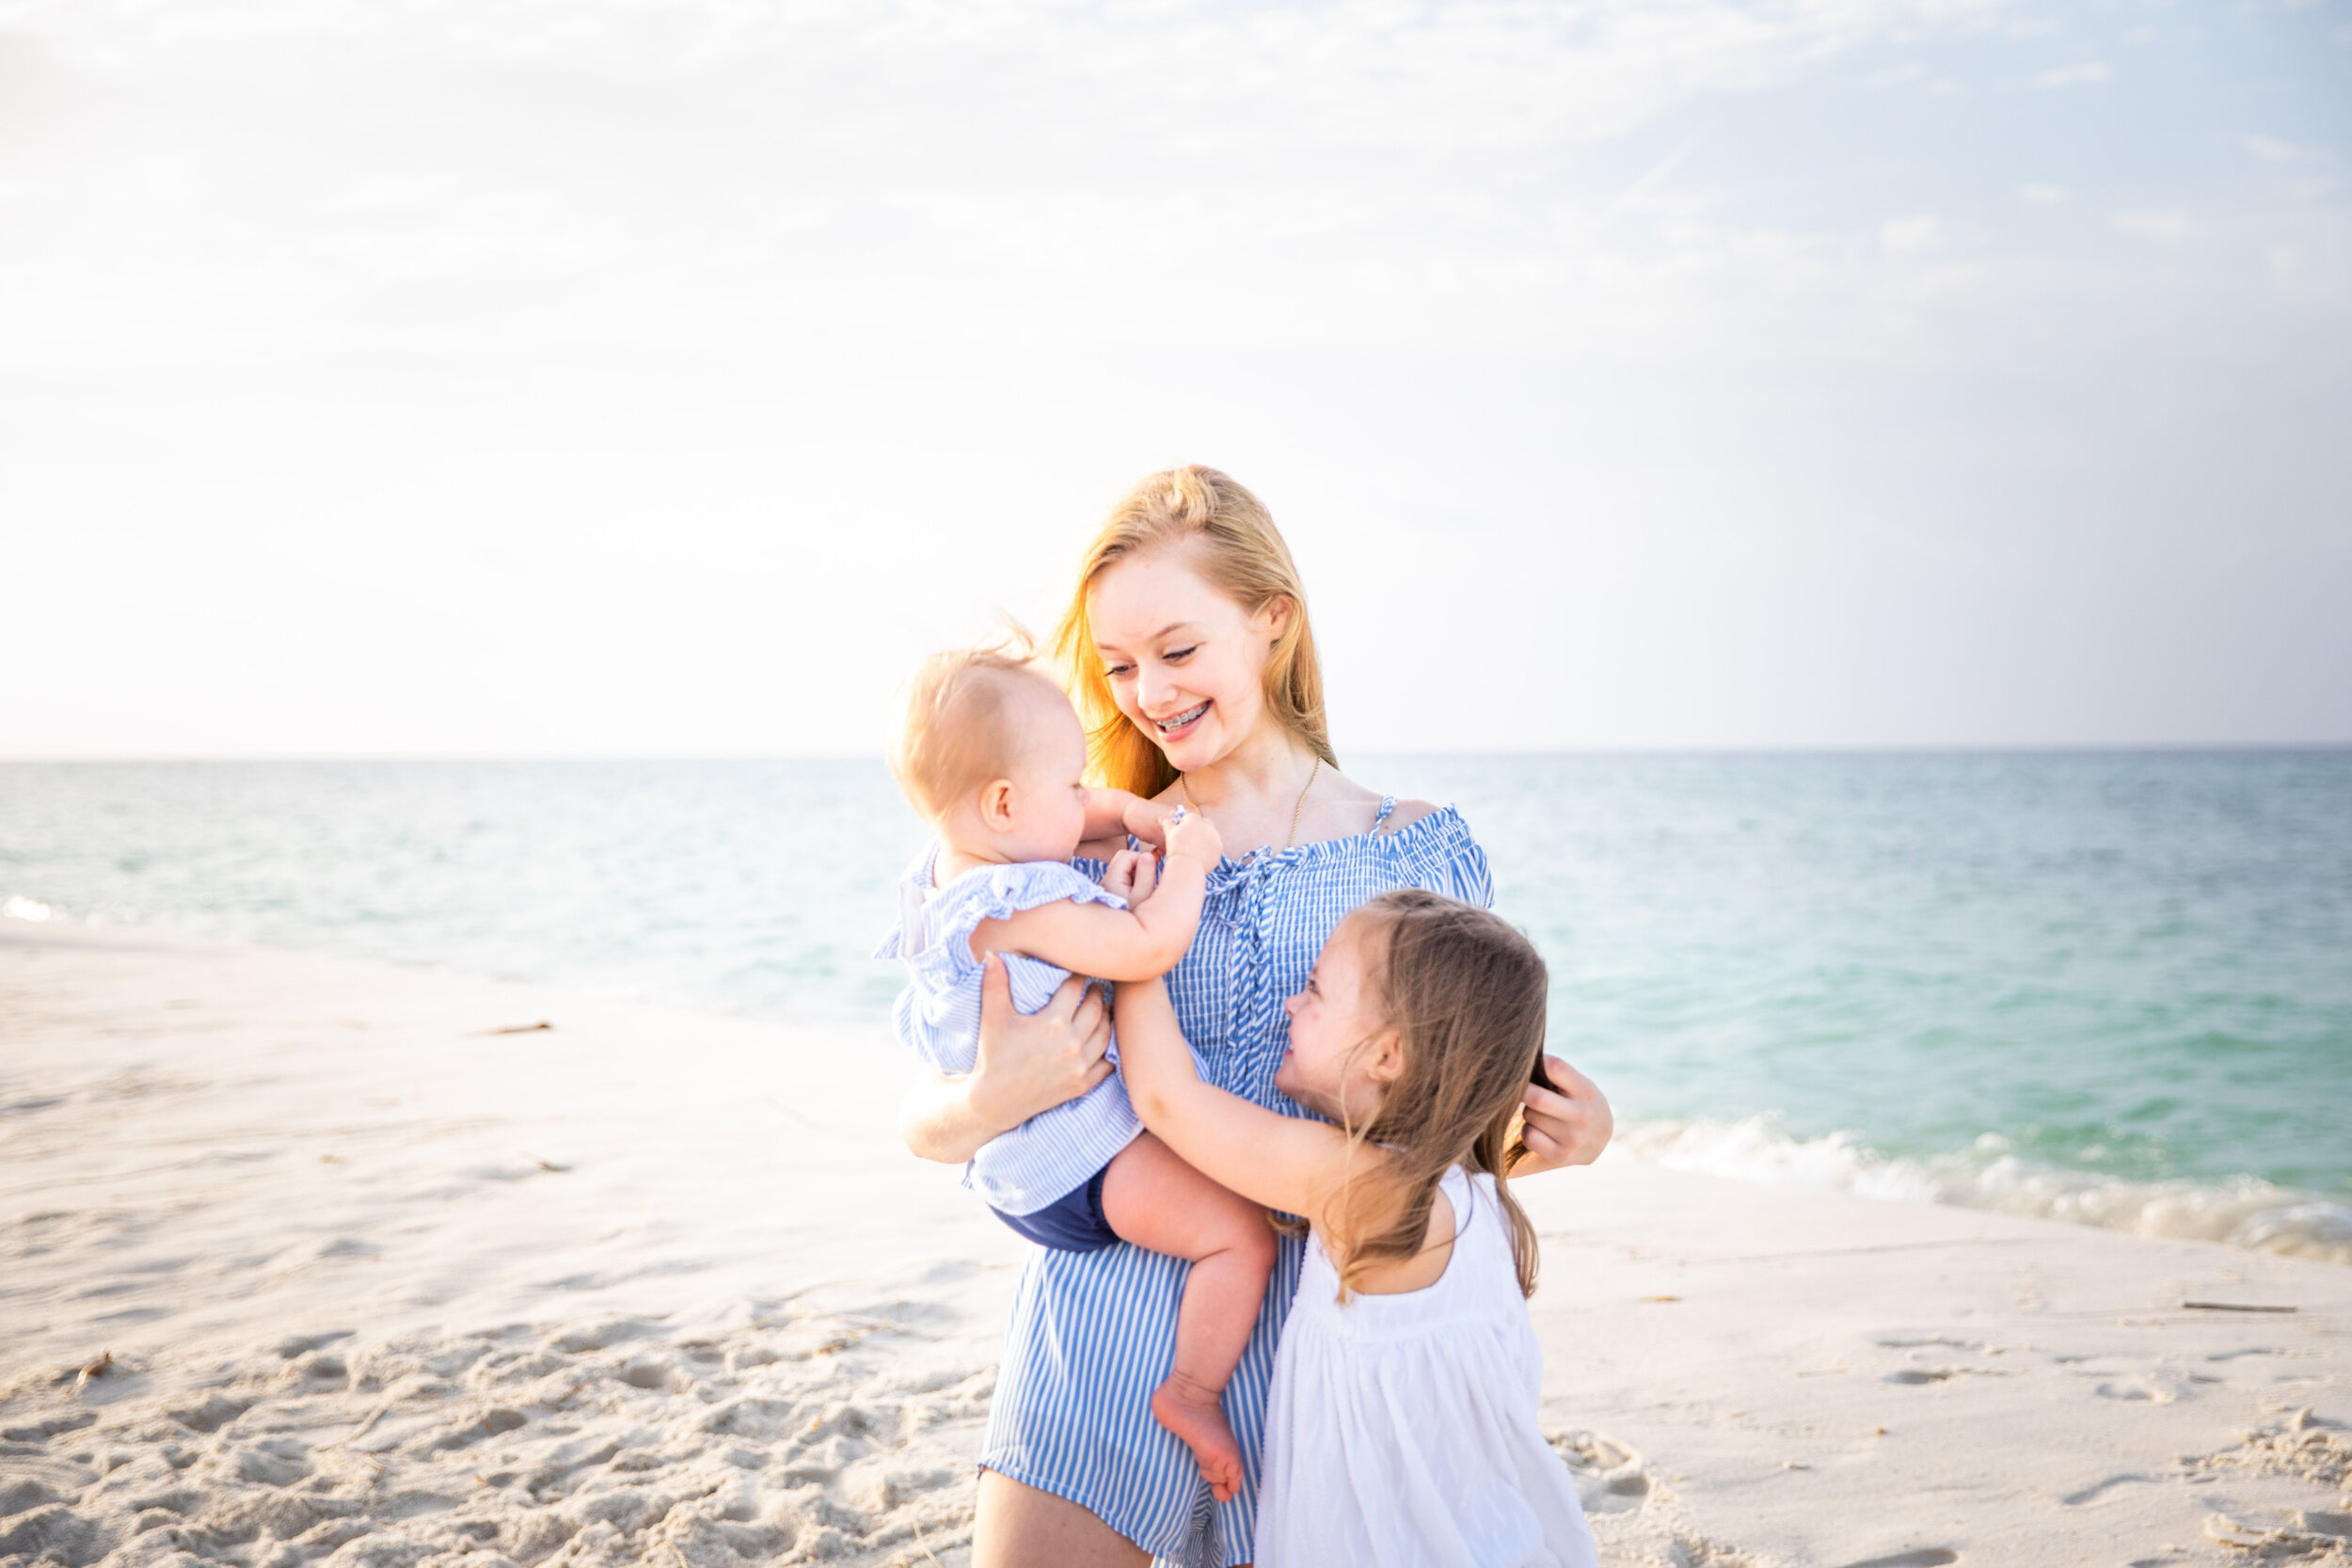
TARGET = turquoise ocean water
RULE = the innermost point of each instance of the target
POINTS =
(2115, 988)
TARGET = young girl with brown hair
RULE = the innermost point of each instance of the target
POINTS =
(1401, 1419)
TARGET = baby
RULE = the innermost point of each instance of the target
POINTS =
(993, 756)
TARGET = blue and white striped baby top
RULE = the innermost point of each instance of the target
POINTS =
(939, 1016)
(1092, 1334)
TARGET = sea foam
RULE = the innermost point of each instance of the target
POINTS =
(2238, 1211)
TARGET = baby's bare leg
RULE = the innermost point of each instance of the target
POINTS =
(1161, 1204)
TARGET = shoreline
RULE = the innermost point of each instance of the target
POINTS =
(671, 1275)
(2239, 1209)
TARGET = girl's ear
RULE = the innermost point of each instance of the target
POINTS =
(1388, 1059)
(1274, 617)
(996, 804)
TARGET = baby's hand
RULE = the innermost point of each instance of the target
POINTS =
(1131, 875)
(1193, 835)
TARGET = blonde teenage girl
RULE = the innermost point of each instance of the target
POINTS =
(1190, 653)
(1401, 1424)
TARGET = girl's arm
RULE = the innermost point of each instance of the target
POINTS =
(1139, 943)
(1028, 1063)
(1282, 1161)
(1114, 813)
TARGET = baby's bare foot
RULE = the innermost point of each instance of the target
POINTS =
(1194, 1414)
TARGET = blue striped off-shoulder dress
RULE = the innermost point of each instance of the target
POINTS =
(1092, 1334)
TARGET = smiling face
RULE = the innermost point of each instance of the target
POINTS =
(1343, 1053)
(1185, 664)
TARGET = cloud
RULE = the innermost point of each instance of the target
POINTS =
(2272, 151)
(2089, 73)
(2170, 225)
(2043, 196)
(1911, 236)
(716, 174)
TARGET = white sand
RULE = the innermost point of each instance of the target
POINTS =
(306, 1205)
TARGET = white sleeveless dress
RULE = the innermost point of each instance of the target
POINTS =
(1403, 1430)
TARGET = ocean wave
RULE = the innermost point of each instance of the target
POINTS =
(2238, 1211)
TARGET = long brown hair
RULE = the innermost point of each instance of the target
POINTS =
(1245, 558)
(1466, 993)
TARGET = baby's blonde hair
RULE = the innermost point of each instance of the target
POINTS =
(965, 722)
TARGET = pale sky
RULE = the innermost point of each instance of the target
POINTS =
(500, 377)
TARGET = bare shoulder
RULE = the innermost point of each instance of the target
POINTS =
(1406, 814)
(1351, 807)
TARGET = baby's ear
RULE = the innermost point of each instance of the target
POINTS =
(996, 803)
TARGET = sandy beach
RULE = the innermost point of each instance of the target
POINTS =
(315, 1260)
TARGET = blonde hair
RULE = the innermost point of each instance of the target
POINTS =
(1244, 558)
(964, 722)
(1466, 993)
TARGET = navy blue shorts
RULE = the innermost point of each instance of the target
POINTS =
(1071, 1223)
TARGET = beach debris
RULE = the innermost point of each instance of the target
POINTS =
(518, 1028)
(542, 1162)
(1647, 1300)
(844, 1337)
(2229, 1306)
(88, 1371)
(916, 1524)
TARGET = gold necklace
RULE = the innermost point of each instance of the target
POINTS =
(1185, 784)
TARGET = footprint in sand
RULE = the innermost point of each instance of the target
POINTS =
(2301, 1537)
(793, 1436)
(1609, 1477)
(2144, 1390)
(1925, 1556)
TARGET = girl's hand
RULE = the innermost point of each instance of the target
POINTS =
(1132, 874)
(1032, 1062)
(1143, 820)
(1567, 1125)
